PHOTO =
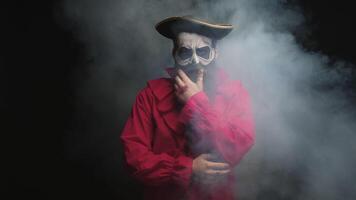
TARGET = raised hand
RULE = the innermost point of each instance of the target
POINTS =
(185, 87)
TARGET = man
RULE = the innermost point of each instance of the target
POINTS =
(186, 133)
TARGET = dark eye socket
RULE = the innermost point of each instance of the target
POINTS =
(185, 53)
(203, 52)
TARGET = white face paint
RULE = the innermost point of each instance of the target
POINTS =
(193, 49)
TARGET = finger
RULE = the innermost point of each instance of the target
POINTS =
(217, 165)
(180, 90)
(179, 81)
(217, 172)
(184, 77)
(200, 77)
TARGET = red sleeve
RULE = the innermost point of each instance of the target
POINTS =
(151, 168)
(231, 130)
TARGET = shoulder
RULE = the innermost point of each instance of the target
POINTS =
(228, 85)
(238, 86)
(235, 91)
(233, 87)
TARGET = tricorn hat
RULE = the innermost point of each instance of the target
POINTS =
(172, 26)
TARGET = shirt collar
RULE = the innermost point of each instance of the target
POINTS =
(162, 87)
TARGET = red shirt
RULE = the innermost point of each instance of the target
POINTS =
(159, 151)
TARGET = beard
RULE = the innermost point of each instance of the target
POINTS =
(192, 70)
(209, 76)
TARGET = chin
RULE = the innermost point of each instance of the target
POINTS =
(192, 69)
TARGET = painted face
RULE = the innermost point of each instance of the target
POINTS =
(193, 50)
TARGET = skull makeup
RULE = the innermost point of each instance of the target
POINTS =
(193, 50)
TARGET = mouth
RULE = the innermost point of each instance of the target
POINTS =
(192, 71)
(191, 68)
(188, 69)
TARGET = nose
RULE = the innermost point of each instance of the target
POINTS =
(195, 59)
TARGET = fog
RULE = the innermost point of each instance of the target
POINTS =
(305, 122)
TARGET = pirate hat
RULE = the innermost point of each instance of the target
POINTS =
(171, 26)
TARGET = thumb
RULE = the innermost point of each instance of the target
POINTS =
(200, 77)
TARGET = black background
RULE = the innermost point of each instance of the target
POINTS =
(37, 61)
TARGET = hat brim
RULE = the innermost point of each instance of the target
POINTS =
(172, 26)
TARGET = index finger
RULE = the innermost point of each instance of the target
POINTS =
(183, 76)
(218, 165)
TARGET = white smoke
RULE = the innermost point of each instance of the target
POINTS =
(305, 131)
